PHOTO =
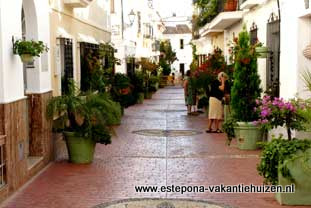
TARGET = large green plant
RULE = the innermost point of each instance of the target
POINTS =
(208, 10)
(275, 153)
(83, 115)
(122, 90)
(246, 86)
(167, 58)
(34, 48)
(138, 82)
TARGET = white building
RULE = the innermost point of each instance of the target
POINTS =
(26, 143)
(180, 37)
(75, 27)
(24, 90)
(285, 29)
(136, 31)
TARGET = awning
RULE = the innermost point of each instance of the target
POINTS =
(62, 33)
(87, 39)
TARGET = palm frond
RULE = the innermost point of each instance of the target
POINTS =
(306, 77)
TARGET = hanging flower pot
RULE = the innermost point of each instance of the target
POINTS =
(307, 52)
(27, 50)
(26, 58)
(262, 52)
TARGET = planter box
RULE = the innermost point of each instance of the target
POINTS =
(247, 136)
(300, 169)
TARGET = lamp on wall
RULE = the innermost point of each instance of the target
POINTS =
(132, 16)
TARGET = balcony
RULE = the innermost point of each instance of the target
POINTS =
(248, 4)
(78, 3)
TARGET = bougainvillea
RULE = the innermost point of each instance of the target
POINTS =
(276, 112)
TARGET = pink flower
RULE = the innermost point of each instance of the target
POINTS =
(265, 121)
(265, 113)
(255, 123)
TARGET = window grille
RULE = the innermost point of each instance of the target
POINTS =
(67, 62)
(253, 34)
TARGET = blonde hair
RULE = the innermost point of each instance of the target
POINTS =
(222, 74)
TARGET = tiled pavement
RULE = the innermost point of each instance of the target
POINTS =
(132, 159)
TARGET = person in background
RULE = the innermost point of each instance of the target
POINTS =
(173, 79)
(188, 89)
(215, 114)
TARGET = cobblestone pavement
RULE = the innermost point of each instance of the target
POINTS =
(150, 158)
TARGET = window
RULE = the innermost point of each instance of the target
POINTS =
(66, 50)
(2, 162)
(182, 69)
(181, 43)
(139, 22)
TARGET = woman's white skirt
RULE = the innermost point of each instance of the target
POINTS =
(216, 109)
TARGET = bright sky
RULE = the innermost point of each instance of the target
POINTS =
(168, 7)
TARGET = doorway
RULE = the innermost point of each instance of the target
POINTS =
(33, 145)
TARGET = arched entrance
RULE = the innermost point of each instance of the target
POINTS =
(30, 32)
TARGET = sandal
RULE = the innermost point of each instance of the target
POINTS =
(209, 131)
(219, 131)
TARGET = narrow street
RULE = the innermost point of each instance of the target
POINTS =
(155, 158)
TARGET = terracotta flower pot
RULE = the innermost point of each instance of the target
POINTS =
(230, 5)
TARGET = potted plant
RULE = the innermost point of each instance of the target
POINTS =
(230, 5)
(82, 121)
(138, 83)
(245, 90)
(154, 83)
(276, 112)
(27, 50)
(285, 163)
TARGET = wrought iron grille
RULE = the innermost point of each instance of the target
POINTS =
(67, 62)
(253, 33)
(273, 62)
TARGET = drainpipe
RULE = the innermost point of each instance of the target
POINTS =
(122, 21)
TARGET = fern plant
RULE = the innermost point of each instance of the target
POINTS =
(83, 115)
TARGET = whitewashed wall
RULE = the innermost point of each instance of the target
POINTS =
(183, 55)
(11, 68)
